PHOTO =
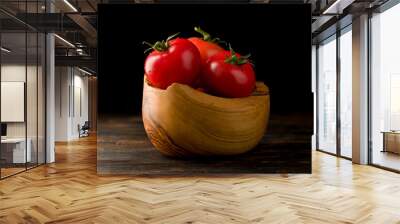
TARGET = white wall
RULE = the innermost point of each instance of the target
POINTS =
(71, 102)
(33, 127)
(16, 72)
(80, 112)
(62, 82)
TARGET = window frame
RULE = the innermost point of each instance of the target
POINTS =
(334, 37)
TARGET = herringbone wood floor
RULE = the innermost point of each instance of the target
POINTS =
(69, 191)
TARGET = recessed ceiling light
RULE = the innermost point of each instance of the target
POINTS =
(64, 40)
(84, 71)
(70, 5)
(5, 50)
(338, 6)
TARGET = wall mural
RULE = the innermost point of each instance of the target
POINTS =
(209, 88)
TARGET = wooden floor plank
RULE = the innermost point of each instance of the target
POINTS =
(70, 191)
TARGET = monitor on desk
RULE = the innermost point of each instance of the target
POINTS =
(3, 130)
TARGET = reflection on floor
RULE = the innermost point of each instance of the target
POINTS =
(70, 191)
(387, 159)
(11, 169)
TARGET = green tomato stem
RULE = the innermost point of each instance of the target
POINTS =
(207, 37)
(235, 60)
(160, 46)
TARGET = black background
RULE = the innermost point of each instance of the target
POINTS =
(277, 36)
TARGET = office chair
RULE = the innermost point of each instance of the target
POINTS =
(84, 130)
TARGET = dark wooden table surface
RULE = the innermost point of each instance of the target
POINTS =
(123, 148)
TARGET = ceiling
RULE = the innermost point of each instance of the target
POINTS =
(19, 54)
(72, 20)
(76, 21)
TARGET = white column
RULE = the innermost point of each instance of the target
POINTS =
(50, 99)
(314, 91)
(360, 90)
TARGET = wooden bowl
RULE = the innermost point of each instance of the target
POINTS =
(184, 122)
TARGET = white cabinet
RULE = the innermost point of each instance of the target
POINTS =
(17, 147)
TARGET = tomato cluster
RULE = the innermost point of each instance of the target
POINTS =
(201, 63)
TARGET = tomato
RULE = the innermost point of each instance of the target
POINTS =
(228, 74)
(206, 45)
(174, 60)
(206, 49)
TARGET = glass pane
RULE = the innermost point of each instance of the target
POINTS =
(385, 83)
(346, 94)
(41, 98)
(31, 85)
(14, 153)
(31, 97)
(327, 96)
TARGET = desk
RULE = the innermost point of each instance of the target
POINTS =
(391, 141)
(13, 150)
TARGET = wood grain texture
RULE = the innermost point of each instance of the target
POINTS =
(70, 191)
(181, 121)
(123, 148)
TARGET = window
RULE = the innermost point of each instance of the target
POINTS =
(334, 106)
(346, 93)
(22, 77)
(327, 95)
(385, 88)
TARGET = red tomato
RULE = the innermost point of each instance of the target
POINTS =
(206, 45)
(206, 48)
(228, 74)
(176, 60)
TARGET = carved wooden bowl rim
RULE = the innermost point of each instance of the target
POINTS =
(256, 92)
